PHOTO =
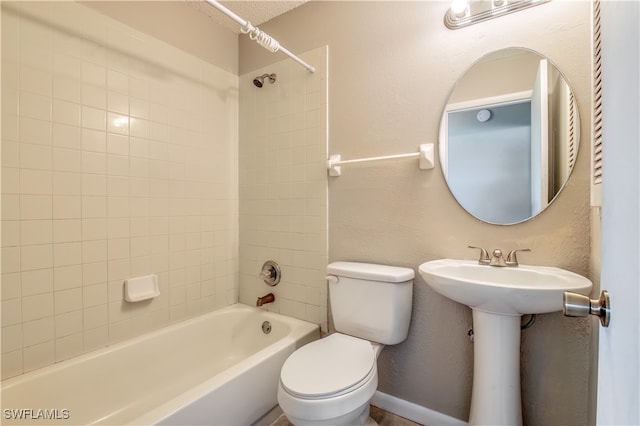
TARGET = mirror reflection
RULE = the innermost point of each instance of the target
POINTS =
(509, 136)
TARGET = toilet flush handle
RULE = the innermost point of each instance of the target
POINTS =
(332, 279)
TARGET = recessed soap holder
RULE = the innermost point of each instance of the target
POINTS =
(141, 288)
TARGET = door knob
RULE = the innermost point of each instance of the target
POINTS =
(578, 305)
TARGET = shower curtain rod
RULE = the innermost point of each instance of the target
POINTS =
(259, 36)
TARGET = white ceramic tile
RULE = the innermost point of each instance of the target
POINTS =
(94, 74)
(12, 364)
(34, 131)
(117, 81)
(139, 108)
(35, 181)
(118, 186)
(94, 251)
(94, 295)
(38, 355)
(10, 156)
(94, 273)
(66, 183)
(65, 112)
(66, 206)
(95, 316)
(118, 102)
(10, 127)
(68, 323)
(117, 144)
(10, 180)
(11, 312)
(94, 140)
(69, 346)
(118, 123)
(36, 257)
(94, 118)
(94, 163)
(37, 306)
(67, 230)
(37, 331)
(35, 106)
(11, 338)
(118, 206)
(96, 338)
(67, 277)
(67, 254)
(94, 207)
(11, 286)
(35, 80)
(94, 96)
(36, 232)
(94, 185)
(94, 229)
(65, 136)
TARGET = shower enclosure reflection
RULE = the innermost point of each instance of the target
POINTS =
(509, 136)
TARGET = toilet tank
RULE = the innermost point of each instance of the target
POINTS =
(371, 301)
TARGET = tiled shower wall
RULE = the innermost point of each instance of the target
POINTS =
(119, 159)
(283, 186)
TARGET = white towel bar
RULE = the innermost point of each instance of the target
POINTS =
(425, 155)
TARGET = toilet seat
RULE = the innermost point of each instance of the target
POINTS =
(329, 367)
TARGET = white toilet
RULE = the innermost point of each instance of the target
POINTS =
(331, 381)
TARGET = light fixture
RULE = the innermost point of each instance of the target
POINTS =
(473, 12)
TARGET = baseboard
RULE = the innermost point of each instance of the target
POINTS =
(414, 412)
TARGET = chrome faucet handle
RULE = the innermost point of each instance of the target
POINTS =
(512, 259)
(484, 256)
(497, 259)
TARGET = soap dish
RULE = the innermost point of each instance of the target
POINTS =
(141, 288)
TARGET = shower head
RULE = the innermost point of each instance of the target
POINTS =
(259, 81)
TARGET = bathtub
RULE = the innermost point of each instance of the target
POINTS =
(216, 369)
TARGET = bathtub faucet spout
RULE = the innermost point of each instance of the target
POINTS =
(269, 298)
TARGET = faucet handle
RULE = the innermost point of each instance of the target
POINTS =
(512, 259)
(484, 256)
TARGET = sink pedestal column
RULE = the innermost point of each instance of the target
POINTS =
(495, 399)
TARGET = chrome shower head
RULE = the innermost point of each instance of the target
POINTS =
(259, 81)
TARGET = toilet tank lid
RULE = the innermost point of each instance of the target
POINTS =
(370, 271)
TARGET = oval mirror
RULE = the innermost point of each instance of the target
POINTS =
(509, 136)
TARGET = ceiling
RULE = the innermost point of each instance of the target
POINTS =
(256, 12)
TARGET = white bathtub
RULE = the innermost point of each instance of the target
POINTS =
(215, 369)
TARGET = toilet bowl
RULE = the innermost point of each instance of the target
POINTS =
(336, 390)
(332, 380)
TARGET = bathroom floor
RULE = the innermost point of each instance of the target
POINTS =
(382, 417)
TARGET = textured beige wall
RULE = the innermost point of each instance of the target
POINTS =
(391, 67)
(119, 159)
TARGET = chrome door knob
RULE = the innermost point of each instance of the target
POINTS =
(579, 305)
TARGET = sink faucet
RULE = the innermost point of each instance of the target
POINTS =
(497, 258)
(269, 298)
(512, 260)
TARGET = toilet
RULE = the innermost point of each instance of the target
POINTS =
(332, 380)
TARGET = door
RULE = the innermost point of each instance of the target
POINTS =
(540, 139)
(619, 351)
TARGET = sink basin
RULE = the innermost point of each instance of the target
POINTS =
(498, 297)
(510, 290)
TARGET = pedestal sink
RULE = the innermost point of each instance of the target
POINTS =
(498, 297)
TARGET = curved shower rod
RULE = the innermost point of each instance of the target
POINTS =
(259, 36)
